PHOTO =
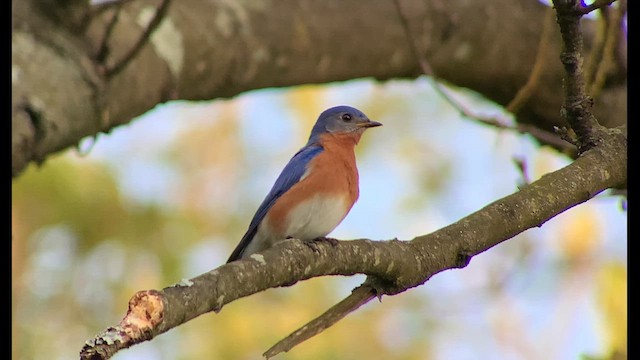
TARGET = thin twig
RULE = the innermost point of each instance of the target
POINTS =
(608, 53)
(541, 135)
(594, 6)
(526, 91)
(142, 40)
(358, 297)
(103, 50)
(522, 166)
(501, 123)
(593, 59)
(97, 9)
(424, 65)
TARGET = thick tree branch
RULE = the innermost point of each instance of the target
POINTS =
(206, 50)
(400, 265)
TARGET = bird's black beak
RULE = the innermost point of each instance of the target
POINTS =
(369, 124)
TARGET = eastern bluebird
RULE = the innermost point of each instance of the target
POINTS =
(315, 190)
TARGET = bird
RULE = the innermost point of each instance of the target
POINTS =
(316, 189)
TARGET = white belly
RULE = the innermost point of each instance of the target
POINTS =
(316, 217)
(311, 219)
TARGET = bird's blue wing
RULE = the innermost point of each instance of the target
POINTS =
(290, 175)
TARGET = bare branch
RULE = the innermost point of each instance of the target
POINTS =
(572, 42)
(577, 105)
(594, 6)
(522, 166)
(606, 64)
(359, 296)
(99, 7)
(81, 102)
(594, 56)
(103, 49)
(526, 91)
(401, 265)
(146, 309)
(142, 40)
(516, 103)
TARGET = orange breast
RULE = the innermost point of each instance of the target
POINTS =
(332, 174)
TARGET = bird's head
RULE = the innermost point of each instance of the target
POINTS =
(342, 120)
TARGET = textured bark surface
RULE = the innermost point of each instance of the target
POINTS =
(212, 49)
(401, 265)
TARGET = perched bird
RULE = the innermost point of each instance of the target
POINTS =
(315, 190)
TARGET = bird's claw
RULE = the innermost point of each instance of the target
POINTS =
(331, 241)
(313, 244)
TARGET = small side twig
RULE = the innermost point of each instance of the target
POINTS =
(539, 134)
(142, 40)
(358, 297)
(594, 56)
(567, 135)
(605, 65)
(526, 91)
(522, 166)
(594, 6)
(97, 9)
(103, 50)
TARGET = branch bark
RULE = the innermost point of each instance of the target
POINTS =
(398, 265)
(206, 50)
(577, 110)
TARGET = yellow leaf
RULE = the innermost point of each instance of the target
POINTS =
(612, 300)
(580, 233)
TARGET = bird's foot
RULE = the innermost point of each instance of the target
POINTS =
(313, 244)
(332, 241)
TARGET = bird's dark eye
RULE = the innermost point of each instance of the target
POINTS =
(346, 117)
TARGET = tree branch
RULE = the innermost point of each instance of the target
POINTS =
(398, 265)
(594, 6)
(208, 50)
(359, 296)
(577, 105)
(142, 40)
(518, 101)
(526, 91)
(583, 119)
(393, 266)
(613, 25)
